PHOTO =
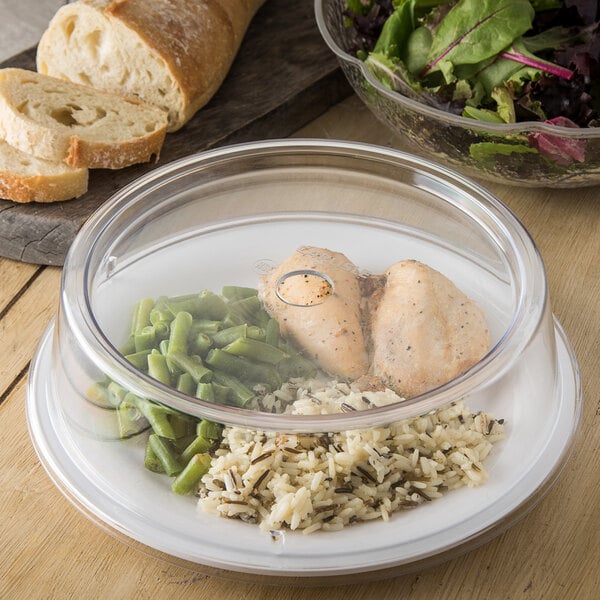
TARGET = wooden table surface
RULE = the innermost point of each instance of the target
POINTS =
(50, 550)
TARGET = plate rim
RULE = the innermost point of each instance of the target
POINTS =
(517, 509)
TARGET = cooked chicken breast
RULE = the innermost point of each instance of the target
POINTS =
(327, 324)
(424, 330)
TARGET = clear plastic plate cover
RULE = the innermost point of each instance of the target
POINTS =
(224, 218)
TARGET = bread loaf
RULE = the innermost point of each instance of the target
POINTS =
(24, 178)
(170, 53)
(58, 120)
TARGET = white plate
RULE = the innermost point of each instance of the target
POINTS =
(106, 480)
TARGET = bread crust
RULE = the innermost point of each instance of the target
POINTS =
(53, 187)
(25, 178)
(56, 142)
(96, 155)
(195, 40)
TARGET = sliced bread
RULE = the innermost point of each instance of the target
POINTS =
(170, 53)
(59, 120)
(24, 178)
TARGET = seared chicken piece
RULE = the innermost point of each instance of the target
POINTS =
(424, 330)
(327, 324)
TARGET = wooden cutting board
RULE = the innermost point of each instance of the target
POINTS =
(283, 77)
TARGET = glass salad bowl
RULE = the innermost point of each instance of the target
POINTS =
(204, 231)
(535, 153)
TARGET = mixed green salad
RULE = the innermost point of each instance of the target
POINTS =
(222, 348)
(495, 61)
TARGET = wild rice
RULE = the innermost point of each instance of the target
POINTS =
(327, 481)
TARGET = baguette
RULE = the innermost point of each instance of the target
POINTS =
(24, 178)
(171, 53)
(58, 120)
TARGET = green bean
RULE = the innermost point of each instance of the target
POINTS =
(160, 315)
(182, 443)
(205, 305)
(162, 329)
(131, 420)
(158, 369)
(213, 392)
(256, 333)
(205, 326)
(163, 347)
(272, 333)
(221, 393)
(242, 368)
(129, 346)
(192, 365)
(116, 393)
(201, 344)
(209, 430)
(165, 453)
(231, 320)
(139, 359)
(236, 292)
(205, 391)
(185, 303)
(180, 329)
(212, 306)
(249, 310)
(239, 394)
(151, 461)
(183, 425)
(156, 415)
(226, 336)
(230, 334)
(141, 315)
(255, 350)
(186, 481)
(198, 445)
(145, 339)
(186, 384)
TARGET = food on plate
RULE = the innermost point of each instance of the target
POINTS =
(24, 178)
(61, 121)
(328, 329)
(259, 349)
(410, 329)
(424, 330)
(171, 53)
(497, 61)
(219, 348)
(310, 482)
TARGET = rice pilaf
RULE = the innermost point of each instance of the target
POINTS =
(310, 481)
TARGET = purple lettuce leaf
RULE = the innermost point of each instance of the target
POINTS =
(589, 10)
(367, 27)
(558, 149)
(571, 99)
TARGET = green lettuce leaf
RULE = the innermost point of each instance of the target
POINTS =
(487, 151)
(475, 30)
(393, 74)
(394, 36)
(482, 114)
(505, 105)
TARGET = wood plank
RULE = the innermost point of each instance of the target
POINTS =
(14, 277)
(23, 324)
(283, 77)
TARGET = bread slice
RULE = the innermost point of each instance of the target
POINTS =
(171, 53)
(24, 178)
(61, 121)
